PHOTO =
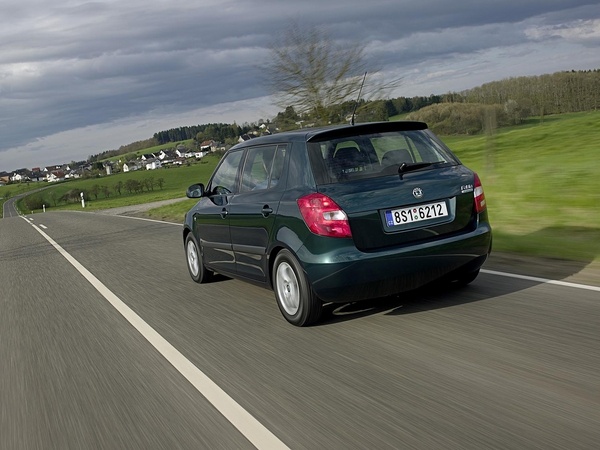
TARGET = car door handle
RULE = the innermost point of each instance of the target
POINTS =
(224, 213)
(266, 211)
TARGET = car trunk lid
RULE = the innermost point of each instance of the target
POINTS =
(406, 208)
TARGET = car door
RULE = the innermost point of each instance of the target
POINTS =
(211, 218)
(253, 210)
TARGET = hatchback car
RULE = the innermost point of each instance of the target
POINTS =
(339, 214)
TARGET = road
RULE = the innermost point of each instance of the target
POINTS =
(105, 343)
(9, 209)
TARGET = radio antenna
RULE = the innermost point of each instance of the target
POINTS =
(358, 99)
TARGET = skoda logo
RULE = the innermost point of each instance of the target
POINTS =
(418, 192)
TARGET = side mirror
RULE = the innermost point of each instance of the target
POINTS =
(195, 191)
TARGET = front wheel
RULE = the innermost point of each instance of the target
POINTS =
(195, 265)
(295, 297)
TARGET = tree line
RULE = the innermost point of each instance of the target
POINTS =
(124, 149)
(220, 132)
(561, 92)
(511, 100)
(503, 103)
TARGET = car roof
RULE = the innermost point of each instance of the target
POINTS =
(333, 132)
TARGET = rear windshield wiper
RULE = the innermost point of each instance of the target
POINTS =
(408, 167)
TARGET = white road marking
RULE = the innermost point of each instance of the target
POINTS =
(490, 272)
(542, 280)
(251, 428)
(43, 226)
(150, 220)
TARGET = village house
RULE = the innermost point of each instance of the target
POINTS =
(208, 145)
(153, 164)
(4, 178)
(20, 176)
(184, 152)
(130, 166)
(55, 175)
(167, 156)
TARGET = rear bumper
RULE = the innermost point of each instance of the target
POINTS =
(347, 274)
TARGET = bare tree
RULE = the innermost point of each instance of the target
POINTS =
(309, 71)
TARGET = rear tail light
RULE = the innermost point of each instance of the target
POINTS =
(323, 216)
(479, 196)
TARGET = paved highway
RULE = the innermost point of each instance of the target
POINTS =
(106, 343)
(9, 209)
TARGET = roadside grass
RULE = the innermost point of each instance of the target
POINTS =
(542, 184)
(174, 212)
(18, 188)
(541, 181)
(12, 190)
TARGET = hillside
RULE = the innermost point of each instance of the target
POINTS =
(542, 184)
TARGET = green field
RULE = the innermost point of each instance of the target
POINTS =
(541, 180)
(175, 181)
(12, 190)
(542, 184)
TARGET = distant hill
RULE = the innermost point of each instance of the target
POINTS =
(512, 100)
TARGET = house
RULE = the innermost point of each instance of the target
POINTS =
(167, 156)
(37, 174)
(17, 178)
(130, 166)
(147, 156)
(72, 174)
(209, 145)
(56, 175)
(181, 151)
(153, 164)
(20, 175)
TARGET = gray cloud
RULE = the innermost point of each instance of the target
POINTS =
(65, 66)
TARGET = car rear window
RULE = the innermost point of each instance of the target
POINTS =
(374, 155)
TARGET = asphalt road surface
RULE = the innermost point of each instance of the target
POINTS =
(9, 209)
(106, 343)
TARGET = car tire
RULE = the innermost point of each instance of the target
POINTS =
(193, 257)
(295, 297)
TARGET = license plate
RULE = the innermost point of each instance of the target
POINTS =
(402, 216)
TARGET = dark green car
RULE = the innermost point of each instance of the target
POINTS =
(339, 214)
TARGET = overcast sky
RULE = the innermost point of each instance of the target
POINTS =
(78, 78)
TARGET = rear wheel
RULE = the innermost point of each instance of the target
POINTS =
(195, 265)
(295, 297)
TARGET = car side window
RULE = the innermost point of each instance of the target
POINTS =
(225, 177)
(263, 167)
(277, 168)
(257, 168)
